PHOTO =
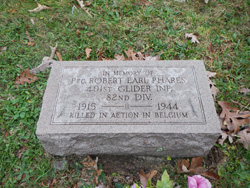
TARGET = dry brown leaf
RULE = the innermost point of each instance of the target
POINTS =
(210, 175)
(78, 32)
(181, 163)
(88, 51)
(52, 183)
(105, 59)
(196, 162)
(211, 74)
(129, 52)
(46, 62)
(58, 55)
(233, 119)
(32, 21)
(39, 8)
(245, 91)
(140, 56)
(119, 57)
(43, 184)
(25, 77)
(81, 3)
(28, 36)
(97, 174)
(152, 58)
(245, 138)
(145, 3)
(12, 11)
(30, 43)
(91, 163)
(145, 177)
(214, 90)
(195, 167)
(210, 48)
(194, 38)
(223, 138)
(198, 170)
(87, 4)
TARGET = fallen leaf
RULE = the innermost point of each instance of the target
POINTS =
(87, 4)
(195, 167)
(78, 32)
(193, 37)
(30, 43)
(145, 3)
(28, 36)
(43, 184)
(152, 58)
(39, 8)
(140, 56)
(214, 90)
(79, 56)
(119, 57)
(25, 77)
(58, 55)
(181, 163)
(245, 138)
(145, 177)
(46, 62)
(88, 51)
(90, 34)
(12, 11)
(91, 163)
(81, 3)
(196, 162)
(97, 174)
(245, 91)
(3, 49)
(210, 175)
(223, 138)
(210, 48)
(211, 74)
(129, 52)
(52, 183)
(105, 59)
(32, 21)
(233, 119)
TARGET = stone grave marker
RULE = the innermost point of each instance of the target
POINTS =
(157, 108)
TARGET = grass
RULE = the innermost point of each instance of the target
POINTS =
(113, 27)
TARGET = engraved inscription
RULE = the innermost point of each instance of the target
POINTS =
(128, 95)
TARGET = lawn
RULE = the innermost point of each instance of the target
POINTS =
(110, 27)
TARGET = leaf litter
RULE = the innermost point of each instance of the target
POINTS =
(46, 62)
(91, 164)
(233, 119)
(88, 51)
(25, 77)
(145, 177)
(193, 37)
(245, 138)
(195, 167)
(214, 90)
(39, 8)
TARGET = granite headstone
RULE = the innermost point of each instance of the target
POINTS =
(157, 108)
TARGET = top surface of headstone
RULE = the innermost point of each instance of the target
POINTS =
(128, 97)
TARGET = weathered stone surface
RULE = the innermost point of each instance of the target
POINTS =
(153, 108)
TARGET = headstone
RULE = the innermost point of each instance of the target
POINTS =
(157, 108)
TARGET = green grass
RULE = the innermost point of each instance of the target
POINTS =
(113, 28)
